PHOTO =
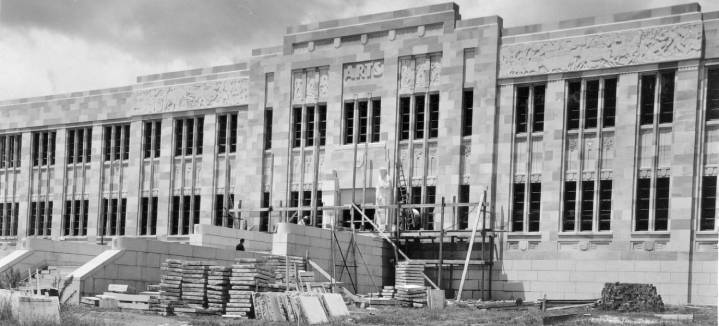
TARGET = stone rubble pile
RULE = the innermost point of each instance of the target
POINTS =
(631, 297)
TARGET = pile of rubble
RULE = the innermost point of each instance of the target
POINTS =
(630, 297)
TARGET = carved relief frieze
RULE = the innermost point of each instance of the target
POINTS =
(520, 178)
(422, 74)
(191, 96)
(298, 87)
(313, 80)
(606, 175)
(534, 178)
(435, 67)
(628, 47)
(664, 172)
(710, 170)
(406, 79)
(645, 173)
(324, 82)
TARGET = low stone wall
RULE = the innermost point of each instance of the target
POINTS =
(297, 240)
(585, 278)
(228, 238)
(32, 253)
(136, 262)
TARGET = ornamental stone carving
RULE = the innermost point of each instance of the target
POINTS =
(585, 52)
(362, 72)
(191, 96)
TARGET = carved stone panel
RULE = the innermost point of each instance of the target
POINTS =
(612, 49)
(406, 79)
(324, 81)
(191, 96)
(298, 87)
(421, 81)
(313, 80)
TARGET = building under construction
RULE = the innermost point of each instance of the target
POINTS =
(577, 152)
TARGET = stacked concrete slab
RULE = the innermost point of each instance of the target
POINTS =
(170, 292)
(218, 284)
(409, 284)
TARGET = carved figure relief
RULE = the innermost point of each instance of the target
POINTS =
(435, 67)
(298, 87)
(324, 81)
(422, 72)
(406, 81)
(621, 48)
(313, 79)
(192, 96)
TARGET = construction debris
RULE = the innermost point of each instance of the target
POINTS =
(631, 297)
(409, 284)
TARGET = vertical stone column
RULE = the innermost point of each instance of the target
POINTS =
(205, 180)
(485, 121)
(94, 188)
(22, 193)
(550, 219)
(56, 193)
(164, 171)
(131, 182)
(504, 158)
(624, 166)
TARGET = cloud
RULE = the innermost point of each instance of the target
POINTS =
(68, 45)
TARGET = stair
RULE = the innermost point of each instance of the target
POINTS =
(49, 278)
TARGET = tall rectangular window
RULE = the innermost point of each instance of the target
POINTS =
(712, 94)
(521, 109)
(296, 126)
(591, 109)
(535, 202)
(610, 102)
(113, 216)
(362, 121)
(189, 134)
(530, 103)
(707, 218)
(570, 205)
(376, 119)
(433, 115)
(43, 148)
(661, 205)
(322, 127)
(40, 218)
(75, 218)
(574, 90)
(309, 126)
(646, 105)
(148, 216)
(151, 139)
(10, 151)
(223, 216)
(8, 219)
(463, 211)
(268, 128)
(467, 103)
(642, 204)
(368, 121)
(587, 206)
(79, 144)
(538, 108)
(349, 122)
(666, 97)
(664, 82)
(419, 116)
(227, 133)
(605, 205)
(184, 215)
(265, 216)
(404, 118)
(117, 142)
(518, 207)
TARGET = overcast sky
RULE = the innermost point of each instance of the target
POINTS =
(58, 46)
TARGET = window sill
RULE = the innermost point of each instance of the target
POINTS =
(707, 235)
(607, 235)
(713, 123)
(650, 234)
(73, 238)
(360, 145)
(148, 159)
(524, 236)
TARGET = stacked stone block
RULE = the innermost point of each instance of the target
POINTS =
(194, 287)
(409, 284)
(218, 284)
(170, 287)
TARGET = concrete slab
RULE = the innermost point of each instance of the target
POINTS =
(335, 305)
(312, 310)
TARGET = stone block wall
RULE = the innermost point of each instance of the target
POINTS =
(227, 238)
(371, 273)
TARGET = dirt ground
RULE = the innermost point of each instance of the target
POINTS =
(453, 315)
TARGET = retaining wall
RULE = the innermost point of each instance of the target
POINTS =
(228, 238)
(32, 253)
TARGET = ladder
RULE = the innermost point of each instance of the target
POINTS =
(402, 194)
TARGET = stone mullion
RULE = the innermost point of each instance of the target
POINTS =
(303, 143)
(528, 163)
(355, 139)
(598, 163)
(655, 157)
(512, 158)
(315, 164)
(121, 181)
(580, 151)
